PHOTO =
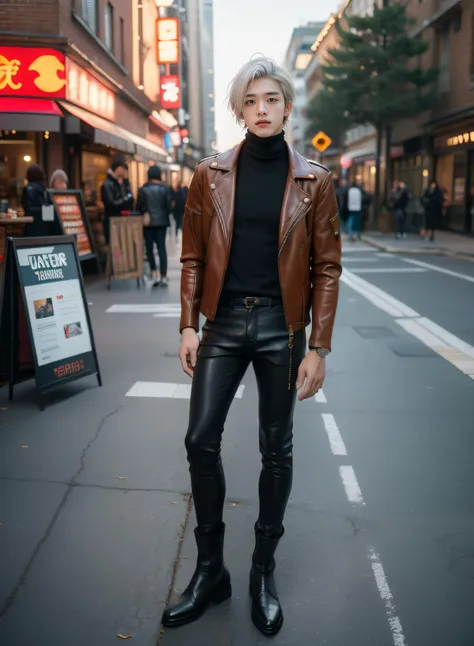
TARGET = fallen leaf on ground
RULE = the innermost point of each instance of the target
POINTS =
(24, 446)
(123, 478)
(173, 503)
(120, 636)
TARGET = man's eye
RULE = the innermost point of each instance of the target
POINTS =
(249, 101)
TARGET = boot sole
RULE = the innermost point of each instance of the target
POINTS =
(219, 596)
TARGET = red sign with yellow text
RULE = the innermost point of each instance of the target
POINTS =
(32, 72)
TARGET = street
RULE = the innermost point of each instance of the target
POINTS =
(96, 522)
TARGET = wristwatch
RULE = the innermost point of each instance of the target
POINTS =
(323, 352)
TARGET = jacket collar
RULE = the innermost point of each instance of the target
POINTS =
(296, 201)
(300, 168)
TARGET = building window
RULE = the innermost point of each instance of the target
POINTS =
(122, 41)
(109, 26)
(89, 13)
(445, 59)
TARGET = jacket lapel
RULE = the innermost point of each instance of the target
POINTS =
(222, 188)
(296, 201)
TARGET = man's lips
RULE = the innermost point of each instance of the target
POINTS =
(263, 123)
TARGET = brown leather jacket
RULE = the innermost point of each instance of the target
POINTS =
(309, 259)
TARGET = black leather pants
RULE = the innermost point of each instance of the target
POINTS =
(235, 338)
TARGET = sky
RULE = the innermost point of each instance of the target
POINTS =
(246, 27)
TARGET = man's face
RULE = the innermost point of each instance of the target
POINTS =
(264, 109)
(120, 173)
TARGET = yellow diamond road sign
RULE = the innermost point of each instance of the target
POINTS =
(321, 141)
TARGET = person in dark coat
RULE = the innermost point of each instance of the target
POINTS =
(401, 200)
(33, 198)
(433, 206)
(179, 195)
(116, 193)
(155, 199)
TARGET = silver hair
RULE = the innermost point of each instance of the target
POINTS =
(257, 68)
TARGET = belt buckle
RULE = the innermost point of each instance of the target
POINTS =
(250, 302)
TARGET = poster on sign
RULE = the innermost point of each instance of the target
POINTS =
(72, 217)
(52, 290)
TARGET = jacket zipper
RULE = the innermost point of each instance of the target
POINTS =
(291, 335)
(299, 215)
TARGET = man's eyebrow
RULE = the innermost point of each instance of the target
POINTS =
(274, 93)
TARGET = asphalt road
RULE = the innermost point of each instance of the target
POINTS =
(94, 491)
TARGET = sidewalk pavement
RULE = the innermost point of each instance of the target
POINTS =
(445, 243)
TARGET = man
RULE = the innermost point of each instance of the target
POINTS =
(401, 202)
(116, 193)
(179, 195)
(155, 203)
(354, 211)
(261, 247)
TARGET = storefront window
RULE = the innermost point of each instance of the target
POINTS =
(17, 152)
(94, 172)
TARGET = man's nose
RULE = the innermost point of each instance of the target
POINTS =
(262, 107)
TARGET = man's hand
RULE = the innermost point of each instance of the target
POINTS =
(188, 350)
(313, 369)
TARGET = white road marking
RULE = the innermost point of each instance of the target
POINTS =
(335, 438)
(462, 360)
(442, 270)
(389, 270)
(459, 353)
(377, 296)
(387, 598)
(357, 259)
(166, 390)
(144, 308)
(355, 248)
(320, 397)
(349, 480)
(167, 315)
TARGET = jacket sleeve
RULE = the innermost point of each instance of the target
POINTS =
(325, 265)
(141, 201)
(193, 254)
(109, 199)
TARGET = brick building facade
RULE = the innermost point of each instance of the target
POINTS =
(105, 65)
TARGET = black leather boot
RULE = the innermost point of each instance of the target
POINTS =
(267, 614)
(210, 582)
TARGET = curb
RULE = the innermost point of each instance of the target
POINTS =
(436, 251)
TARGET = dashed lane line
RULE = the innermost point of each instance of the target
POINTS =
(442, 270)
(335, 438)
(387, 598)
(349, 480)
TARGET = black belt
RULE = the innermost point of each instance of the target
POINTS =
(251, 301)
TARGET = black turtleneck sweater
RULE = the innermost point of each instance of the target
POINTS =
(262, 172)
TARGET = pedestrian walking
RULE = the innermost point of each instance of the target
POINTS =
(354, 211)
(155, 203)
(401, 199)
(116, 193)
(179, 195)
(341, 195)
(261, 249)
(59, 180)
(433, 205)
(37, 204)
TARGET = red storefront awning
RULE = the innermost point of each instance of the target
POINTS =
(30, 114)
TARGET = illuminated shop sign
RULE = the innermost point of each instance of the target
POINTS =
(89, 93)
(32, 72)
(167, 37)
(460, 139)
(170, 92)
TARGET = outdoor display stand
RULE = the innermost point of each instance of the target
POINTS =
(45, 285)
(72, 217)
(125, 254)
